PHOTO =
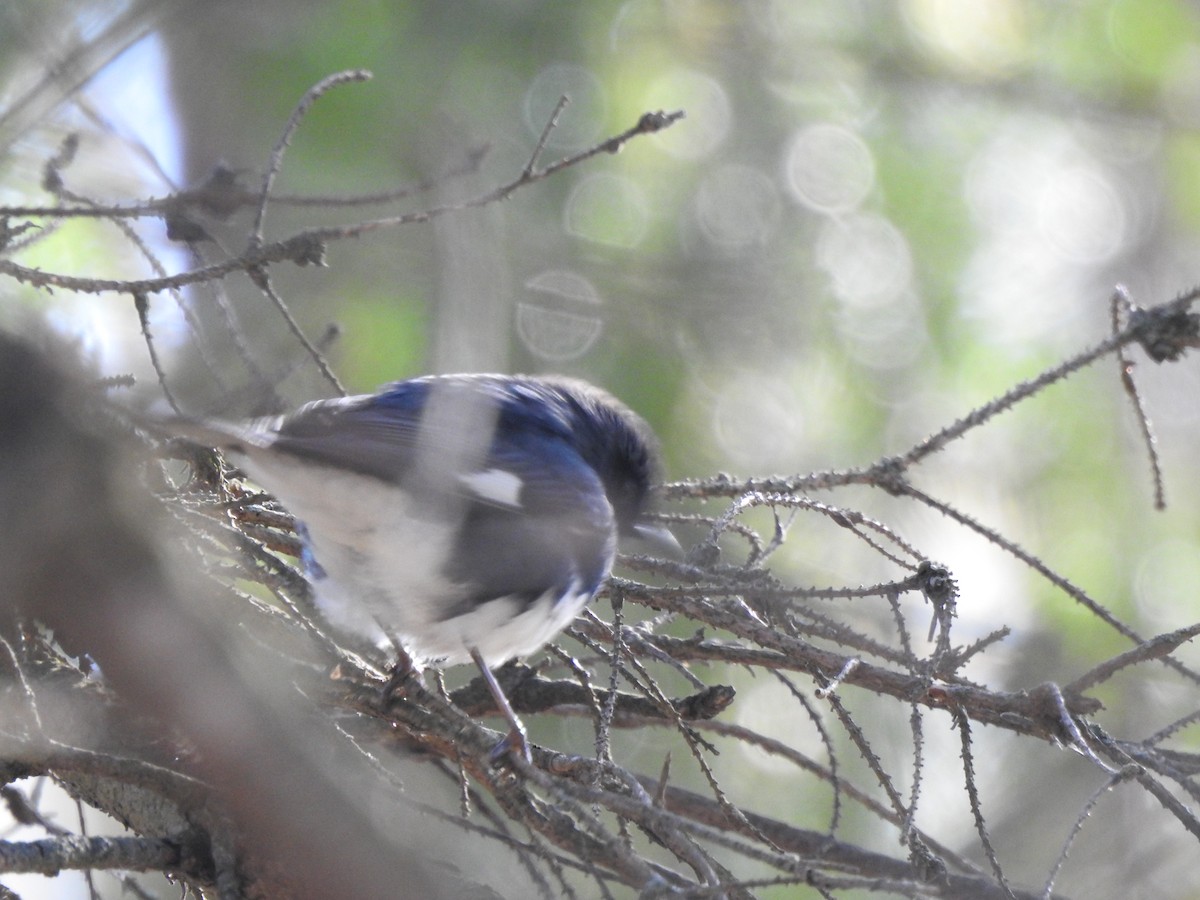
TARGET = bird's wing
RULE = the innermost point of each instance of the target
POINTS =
(369, 434)
(555, 532)
(493, 440)
(376, 435)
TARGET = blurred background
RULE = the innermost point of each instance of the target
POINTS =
(874, 217)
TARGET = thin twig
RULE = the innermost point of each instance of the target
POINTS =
(310, 97)
(551, 124)
(1156, 648)
(1076, 828)
(142, 304)
(262, 280)
(964, 730)
(1121, 304)
(1074, 592)
(308, 247)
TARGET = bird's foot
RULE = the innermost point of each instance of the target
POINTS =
(402, 674)
(516, 742)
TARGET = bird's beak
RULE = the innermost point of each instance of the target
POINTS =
(654, 540)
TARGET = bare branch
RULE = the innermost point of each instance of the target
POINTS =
(310, 97)
(49, 857)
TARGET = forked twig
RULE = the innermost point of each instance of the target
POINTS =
(310, 97)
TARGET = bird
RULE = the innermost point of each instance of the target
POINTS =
(470, 517)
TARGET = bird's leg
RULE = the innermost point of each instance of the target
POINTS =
(517, 739)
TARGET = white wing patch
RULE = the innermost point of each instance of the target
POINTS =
(495, 486)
